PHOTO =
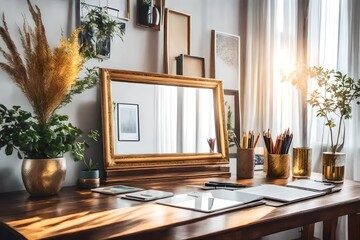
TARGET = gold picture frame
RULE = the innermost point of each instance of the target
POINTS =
(144, 167)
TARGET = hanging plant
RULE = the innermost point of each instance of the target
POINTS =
(98, 28)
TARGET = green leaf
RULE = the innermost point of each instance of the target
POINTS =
(9, 149)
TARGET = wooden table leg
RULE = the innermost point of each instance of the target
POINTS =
(308, 232)
(353, 226)
(329, 229)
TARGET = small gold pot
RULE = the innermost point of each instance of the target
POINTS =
(334, 167)
(43, 177)
(278, 166)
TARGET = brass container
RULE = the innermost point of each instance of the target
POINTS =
(43, 177)
(301, 162)
(245, 163)
(278, 166)
(334, 167)
(89, 179)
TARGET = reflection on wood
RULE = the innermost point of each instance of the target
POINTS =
(75, 214)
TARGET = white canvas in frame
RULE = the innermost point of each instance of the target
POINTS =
(226, 59)
(128, 122)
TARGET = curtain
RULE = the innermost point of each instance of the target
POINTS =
(166, 119)
(271, 40)
(184, 119)
(334, 43)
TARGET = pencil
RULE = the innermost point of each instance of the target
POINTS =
(257, 139)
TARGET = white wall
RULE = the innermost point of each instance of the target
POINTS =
(141, 50)
(144, 96)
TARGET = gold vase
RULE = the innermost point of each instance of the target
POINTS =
(301, 164)
(43, 177)
(334, 167)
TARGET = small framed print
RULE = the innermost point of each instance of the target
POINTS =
(231, 101)
(225, 59)
(190, 66)
(128, 122)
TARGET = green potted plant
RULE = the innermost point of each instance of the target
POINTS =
(98, 28)
(333, 100)
(89, 177)
(49, 79)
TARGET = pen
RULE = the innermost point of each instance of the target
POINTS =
(224, 184)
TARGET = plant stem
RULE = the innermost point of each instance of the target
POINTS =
(338, 133)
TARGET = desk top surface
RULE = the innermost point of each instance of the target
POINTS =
(75, 214)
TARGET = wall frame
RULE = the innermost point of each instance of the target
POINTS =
(191, 66)
(128, 122)
(150, 16)
(177, 38)
(225, 59)
(231, 102)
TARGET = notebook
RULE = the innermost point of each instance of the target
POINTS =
(147, 195)
(312, 185)
(282, 193)
(214, 200)
(118, 189)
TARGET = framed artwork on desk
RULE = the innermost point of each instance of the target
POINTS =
(128, 122)
(232, 116)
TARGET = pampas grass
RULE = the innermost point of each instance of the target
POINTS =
(44, 75)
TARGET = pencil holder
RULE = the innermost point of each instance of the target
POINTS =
(301, 162)
(278, 166)
(245, 163)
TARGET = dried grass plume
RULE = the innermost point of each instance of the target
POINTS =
(44, 75)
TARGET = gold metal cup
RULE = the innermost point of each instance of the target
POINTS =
(301, 162)
(278, 166)
(245, 163)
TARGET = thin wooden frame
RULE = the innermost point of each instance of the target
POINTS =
(233, 96)
(136, 167)
(191, 66)
(177, 38)
(225, 59)
(142, 14)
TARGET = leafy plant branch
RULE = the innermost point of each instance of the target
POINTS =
(334, 98)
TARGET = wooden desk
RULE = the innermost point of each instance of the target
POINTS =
(81, 214)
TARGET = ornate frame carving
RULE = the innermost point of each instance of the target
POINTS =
(137, 167)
